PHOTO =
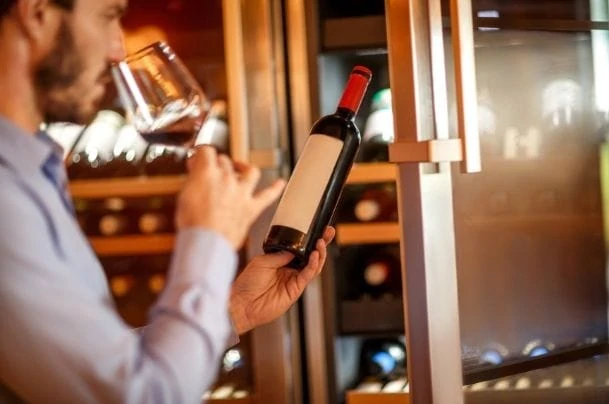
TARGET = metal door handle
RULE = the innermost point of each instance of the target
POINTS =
(465, 83)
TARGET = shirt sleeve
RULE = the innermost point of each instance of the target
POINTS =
(62, 342)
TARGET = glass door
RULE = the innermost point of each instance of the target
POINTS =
(518, 244)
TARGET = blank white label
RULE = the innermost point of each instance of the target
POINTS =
(308, 182)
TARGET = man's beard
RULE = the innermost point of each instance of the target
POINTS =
(54, 78)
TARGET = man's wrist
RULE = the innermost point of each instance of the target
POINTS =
(237, 316)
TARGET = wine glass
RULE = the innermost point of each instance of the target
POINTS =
(162, 99)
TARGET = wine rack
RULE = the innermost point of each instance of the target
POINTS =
(127, 187)
(133, 244)
(357, 397)
(351, 234)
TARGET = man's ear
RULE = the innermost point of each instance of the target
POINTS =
(39, 21)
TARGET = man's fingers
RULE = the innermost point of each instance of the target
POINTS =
(249, 174)
(268, 195)
(275, 260)
(308, 273)
(202, 156)
(329, 234)
(323, 253)
(225, 163)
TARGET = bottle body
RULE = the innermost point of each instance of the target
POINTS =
(94, 148)
(378, 130)
(312, 193)
(380, 274)
(310, 198)
(368, 203)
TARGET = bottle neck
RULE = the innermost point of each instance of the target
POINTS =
(346, 113)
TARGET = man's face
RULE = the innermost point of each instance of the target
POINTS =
(71, 79)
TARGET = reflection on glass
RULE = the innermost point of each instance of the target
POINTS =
(529, 227)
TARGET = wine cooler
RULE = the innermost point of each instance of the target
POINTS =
(125, 190)
(481, 175)
(470, 256)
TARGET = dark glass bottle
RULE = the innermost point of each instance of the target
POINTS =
(128, 153)
(117, 218)
(368, 203)
(378, 131)
(313, 191)
(157, 215)
(215, 131)
(380, 274)
(94, 149)
(66, 134)
(382, 360)
(165, 160)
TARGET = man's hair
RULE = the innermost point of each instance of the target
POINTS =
(7, 5)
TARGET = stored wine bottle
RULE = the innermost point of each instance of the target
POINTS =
(165, 160)
(128, 153)
(156, 283)
(313, 191)
(234, 377)
(65, 134)
(157, 216)
(382, 359)
(115, 224)
(378, 131)
(94, 149)
(381, 274)
(378, 203)
(214, 131)
(117, 218)
(494, 354)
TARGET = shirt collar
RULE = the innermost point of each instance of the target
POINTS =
(25, 152)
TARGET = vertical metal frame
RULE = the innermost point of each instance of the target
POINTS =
(302, 34)
(416, 68)
(254, 52)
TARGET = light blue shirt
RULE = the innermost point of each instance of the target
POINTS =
(61, 339)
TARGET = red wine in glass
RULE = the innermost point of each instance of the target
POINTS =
(162, 99)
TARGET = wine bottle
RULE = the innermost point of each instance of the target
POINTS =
(214, 131)
(494, 354)
(156, 283)
(157, 216)
(114, 224)
(312, 193)
(65, 134)
(378, 130)
(381, 274)
(382, 359)
(165, 160)
(94, 148)
(378, 203)
(128, 153)
(117, 218)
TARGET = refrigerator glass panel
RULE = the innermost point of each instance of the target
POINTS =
(530, 228)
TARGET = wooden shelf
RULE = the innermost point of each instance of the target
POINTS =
(133, 245)
(363, 173)
(127, 186)
(169, 185)
(371, 316)
(358, 397)
(354, 33)
(245, 400)
(369, 233)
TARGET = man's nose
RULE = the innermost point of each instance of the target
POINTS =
(117, 51)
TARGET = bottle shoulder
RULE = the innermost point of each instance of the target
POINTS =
(335, 125)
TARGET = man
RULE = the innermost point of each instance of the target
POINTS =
(61, 341)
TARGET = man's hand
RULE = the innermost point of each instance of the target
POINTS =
(219, 195)
(266, 288)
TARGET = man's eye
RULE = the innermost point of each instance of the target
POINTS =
(112, 16)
